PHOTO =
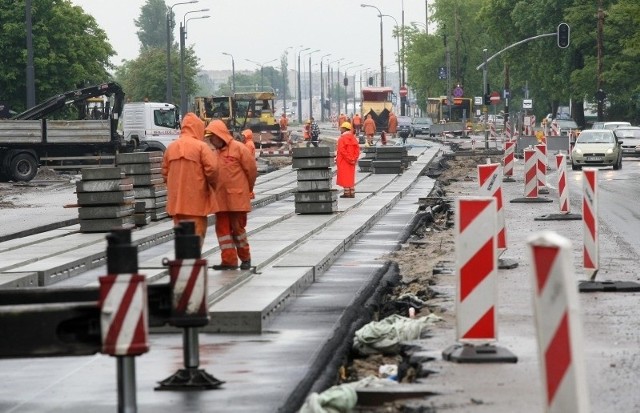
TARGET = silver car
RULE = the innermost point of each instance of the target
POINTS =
(630, 135)
(597, 147)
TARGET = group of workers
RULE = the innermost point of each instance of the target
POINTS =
(207, 171)
(369, 127)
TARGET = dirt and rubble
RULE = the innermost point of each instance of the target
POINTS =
(428, 251)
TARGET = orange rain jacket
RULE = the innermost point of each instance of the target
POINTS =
(356, 120)
(369, 126)
(284, 122)
(248, 141)
(190, 171)
(393, 123)
(237, 171)
(341, 119)
(347, 153)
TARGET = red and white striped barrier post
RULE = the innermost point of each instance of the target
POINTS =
(507, 132)
(509, 160)
(492, 131)
(558, 325)
(124, 319)
(555, 131)
(473, 144)
(541, 171)
(490, 181)
(563, 183)
(189, 309)
(530, 173)
(476, 292)
(591, 253)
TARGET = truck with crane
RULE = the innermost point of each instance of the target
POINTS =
(68, 131)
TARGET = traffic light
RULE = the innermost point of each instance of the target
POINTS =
(345, 81)
(370, 81)
(563, 35)
(487, 99)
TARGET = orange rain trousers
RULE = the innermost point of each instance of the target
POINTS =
(232, 237)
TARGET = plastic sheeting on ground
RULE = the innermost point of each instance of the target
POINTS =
(342, 398)
(385, 336)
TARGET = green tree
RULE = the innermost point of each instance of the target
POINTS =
(145, 76)
(152, 24)
(70, 50)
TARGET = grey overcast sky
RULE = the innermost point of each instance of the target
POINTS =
(262, 30)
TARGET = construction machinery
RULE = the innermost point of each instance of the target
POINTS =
(244, 110)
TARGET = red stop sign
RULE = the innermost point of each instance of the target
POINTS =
(403, 91)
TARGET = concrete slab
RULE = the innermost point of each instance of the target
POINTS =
(142, 169)
(106, 198)
(94, 174)
(18, 280)
(147, 180)
(314, 174)
(106, 224)
(106, 185)
(103, 212)
(316, 207)
(319, 185)
(312, 152)
(139, 157)
(151, 191)
(312, 163)
(319, 196)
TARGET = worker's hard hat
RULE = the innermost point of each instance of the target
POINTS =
(346, 125)
(308, 121)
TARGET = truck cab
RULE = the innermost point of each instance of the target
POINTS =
(150, 125)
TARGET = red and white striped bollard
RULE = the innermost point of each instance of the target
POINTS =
(509, 160)
(558, 325)
(591, 253)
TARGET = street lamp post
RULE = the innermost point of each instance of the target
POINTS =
(261, 66)
(310, 85)
(330, 81)
(322, 88)
(299, 87)
(233, 72)
(399, 60)
(31, 76)
(346, 89)
(381, 47)
(183, 36)
(284, 79)
(169, 30)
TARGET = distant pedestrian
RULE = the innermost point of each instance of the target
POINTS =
(369, 127)
(315, 133)
(347, 154)
(237, 174)
(306, 132)
(284, 125)
(247, 134)
(190, 170)
(357, 124)
(392, 127)
(341, 119)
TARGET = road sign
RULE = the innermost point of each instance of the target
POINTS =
(458, 92)
(527, 104)
(477, 100)
(495, 98)
(403, 91)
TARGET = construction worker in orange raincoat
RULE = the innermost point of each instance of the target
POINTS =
(347, 154)
(369, 127)
(284, 124)
(341, 119)
(306, 133)
(237, 174)
(248, 141)
(392, 127)
(191, 172)
(357, 124)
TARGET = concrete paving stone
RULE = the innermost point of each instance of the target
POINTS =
(383, 171)
(139, 157)
(312, 163)
(314, 174)
(373, 183)
(106, 198)
(150, 191)
(106, 224)
(316, 207)
(95, 174)
(319, 152)
(310, 186)
(104, 211)
(147, 180)
(153, 202)
(318, 196)
(18, 280)
(106, 185)
(142, 168)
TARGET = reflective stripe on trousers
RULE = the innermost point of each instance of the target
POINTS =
(232, 237)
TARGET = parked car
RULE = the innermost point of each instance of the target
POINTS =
(421, 126)
(596, 147)
(404, 126)
(609, 125)
(567, 127)
(630, 136)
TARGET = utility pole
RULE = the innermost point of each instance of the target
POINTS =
(600, 64)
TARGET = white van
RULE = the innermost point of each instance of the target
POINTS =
(150, 125)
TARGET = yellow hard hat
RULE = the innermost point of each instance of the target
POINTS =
(308, 121)
(346, 125)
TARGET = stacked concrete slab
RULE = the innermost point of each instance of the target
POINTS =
(145, 170)
(390, 160)
(314, 194)
(364, 163)
(105, 199)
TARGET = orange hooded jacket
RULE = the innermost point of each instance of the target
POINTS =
(347, 154)
(393, 123)
(237, 171)
(248, 141)
(190, 171)
(369, 126)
